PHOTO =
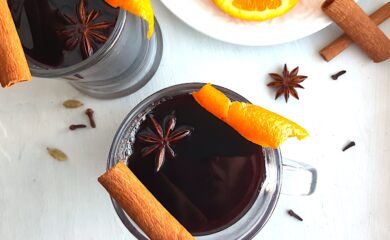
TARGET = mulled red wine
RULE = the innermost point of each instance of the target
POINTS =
(60, 33)
(201, 170)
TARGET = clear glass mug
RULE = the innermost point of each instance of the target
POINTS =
(124, 64)
(299, 178)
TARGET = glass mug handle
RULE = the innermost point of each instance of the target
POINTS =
(298, 178)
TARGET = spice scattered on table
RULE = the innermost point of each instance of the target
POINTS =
(57, 154)
(349, 145)
(337, 75)
(89, 113)
(344, 41)
(77, 126)
(359, 27)
(72, 103)
(294, 215)
(286, 83)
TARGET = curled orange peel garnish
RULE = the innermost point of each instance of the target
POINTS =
(254, 123)
(141, 8)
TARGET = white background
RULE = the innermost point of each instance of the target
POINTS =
(41, 198)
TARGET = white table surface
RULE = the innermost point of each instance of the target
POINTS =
(41, 198)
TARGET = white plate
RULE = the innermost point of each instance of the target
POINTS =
(304, 19)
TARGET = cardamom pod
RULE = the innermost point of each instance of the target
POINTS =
(72, 103)
(57, 154)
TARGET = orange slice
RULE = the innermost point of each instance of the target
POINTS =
(255, 10)
(141, 8)
(254, 123)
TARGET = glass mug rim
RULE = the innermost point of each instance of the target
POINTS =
(47, 71)
(130, 121)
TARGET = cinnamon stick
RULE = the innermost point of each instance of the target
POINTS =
(359, 27)
(343, 42)
(13, 63)
(141, 205)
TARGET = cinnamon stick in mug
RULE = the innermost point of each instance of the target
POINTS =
(359, 27)
(343, 42)
(146, 211)
(13, 63)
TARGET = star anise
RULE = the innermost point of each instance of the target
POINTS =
(84, 30)
(287, 82)
(161, 140)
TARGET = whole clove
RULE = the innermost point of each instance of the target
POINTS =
(349, 145)
(294, 215)
(337, 75)
(77, 126)
(89, 113)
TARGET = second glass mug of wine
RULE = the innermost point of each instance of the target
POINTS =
(112, 58)
(297, 178)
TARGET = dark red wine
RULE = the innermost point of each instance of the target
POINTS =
(61, 33)
(215, 175)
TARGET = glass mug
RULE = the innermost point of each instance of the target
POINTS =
(124, 64)
(301, 178)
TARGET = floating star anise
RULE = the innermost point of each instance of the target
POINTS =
(287, 82)
(160, 139)
(84, 30)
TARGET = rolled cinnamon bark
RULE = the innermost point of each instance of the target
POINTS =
(141, 205)
(359, 27)
(13, 63)
(343, 42)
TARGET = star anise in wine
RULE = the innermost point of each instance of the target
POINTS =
(161, 137)
(84, 30)
(287, 82)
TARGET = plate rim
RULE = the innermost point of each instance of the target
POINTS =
(243, 43)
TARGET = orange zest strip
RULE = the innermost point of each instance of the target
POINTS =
(213, 100)
(141, 8)
(254, 123)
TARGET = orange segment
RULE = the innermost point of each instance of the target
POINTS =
(256, 5)
(254, 123)
(255, 10)
(141, 8)
(213, 100)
